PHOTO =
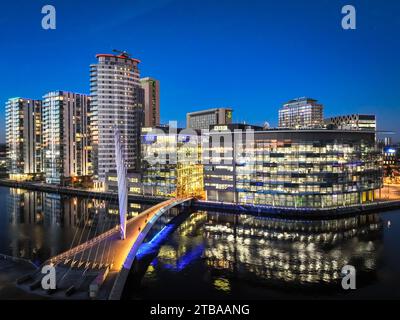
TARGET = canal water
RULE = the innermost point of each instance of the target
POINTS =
(203, 255)
(36, 225)
(214, 255)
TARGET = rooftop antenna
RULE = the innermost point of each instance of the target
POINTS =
(122, 53)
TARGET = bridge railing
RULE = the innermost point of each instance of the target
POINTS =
(83, 246)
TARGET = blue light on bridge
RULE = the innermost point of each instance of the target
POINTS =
(153, 245)
(155, 242)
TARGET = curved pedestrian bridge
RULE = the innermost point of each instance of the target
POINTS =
(99, 267)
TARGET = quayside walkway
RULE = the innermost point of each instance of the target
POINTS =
(77, 192)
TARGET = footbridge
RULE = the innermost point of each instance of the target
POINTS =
(99, 267)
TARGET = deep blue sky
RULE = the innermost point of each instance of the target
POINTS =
(250, 55)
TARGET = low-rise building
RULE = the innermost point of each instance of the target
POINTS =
(352, 122)
(391, 156)
(205, 118)
(315, 168)
(391, 164)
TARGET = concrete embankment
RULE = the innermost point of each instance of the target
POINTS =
(279, 212)
(69, 191)
(299, 213)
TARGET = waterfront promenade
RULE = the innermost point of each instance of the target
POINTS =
(78, 192)
(389, 199)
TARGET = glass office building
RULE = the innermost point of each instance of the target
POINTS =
(170, 159)
(315, 168)
(301, 113)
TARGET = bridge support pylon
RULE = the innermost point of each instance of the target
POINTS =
(122, 183)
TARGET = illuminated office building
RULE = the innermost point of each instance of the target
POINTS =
(391, 156)
(3, 159)
(65, 136)
(24, 138)
(133, 182)
(301, 113)
(205, 118)
(315, 168)
(171, 162)
(151, 89)
(116, 103)
(353, 122)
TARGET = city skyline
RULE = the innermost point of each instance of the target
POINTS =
(199, 150)
(242, 63)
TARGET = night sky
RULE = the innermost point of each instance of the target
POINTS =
(249, 55)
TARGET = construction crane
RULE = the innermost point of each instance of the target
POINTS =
(122, 53)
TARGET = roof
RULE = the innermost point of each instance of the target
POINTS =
(208, 111)
(116, 56)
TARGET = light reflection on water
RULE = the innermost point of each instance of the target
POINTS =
(36, 225)
(219, 255)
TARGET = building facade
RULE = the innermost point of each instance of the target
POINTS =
(391, 156)
(301, 113)
(352, 122)
(3, 160)
(151, 89)
(65, 136)
(24, 138)
(296, 168)
(116, 103)
(134, 182)
(204, 119)
(171, 162)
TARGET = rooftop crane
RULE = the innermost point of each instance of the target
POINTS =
(122, 53)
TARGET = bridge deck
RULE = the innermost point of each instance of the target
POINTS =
(108, 249)
(104, 256)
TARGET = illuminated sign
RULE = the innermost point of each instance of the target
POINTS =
(390, 150)
(147, 129)
(221, 128)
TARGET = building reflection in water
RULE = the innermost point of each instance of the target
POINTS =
(42, 225)
(274, 252)
(261, 250)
